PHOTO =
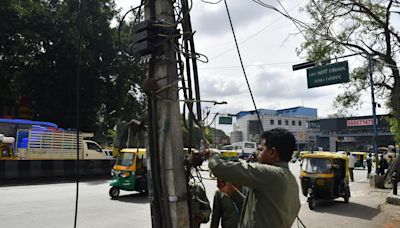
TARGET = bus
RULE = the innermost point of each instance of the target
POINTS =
(248, 148)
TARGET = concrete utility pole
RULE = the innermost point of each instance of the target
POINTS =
(167, 193)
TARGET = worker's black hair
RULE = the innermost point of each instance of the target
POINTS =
(283, 141)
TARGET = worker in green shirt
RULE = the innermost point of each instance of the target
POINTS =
(273, 197)
(227, 205)
(201, 209)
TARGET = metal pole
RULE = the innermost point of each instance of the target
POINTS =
(215, 126)
(374, 138)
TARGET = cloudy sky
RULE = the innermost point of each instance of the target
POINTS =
(267, 42)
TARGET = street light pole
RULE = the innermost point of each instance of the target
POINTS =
(374, 138)
(375, 134)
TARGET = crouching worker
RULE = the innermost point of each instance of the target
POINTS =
(227, 205)
(201, 209)
(273, 197)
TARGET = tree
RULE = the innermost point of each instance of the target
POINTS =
(358, 26)
(355, 26)
(38, 59)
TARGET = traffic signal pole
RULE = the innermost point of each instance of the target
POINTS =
(167, 187)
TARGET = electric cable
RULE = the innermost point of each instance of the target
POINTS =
(242, 65)
(214, 3)
(82, 9)
(254, 34)
(251, 65)
(292, 20)
(299, 220)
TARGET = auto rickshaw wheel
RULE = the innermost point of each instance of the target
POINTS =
(312, 202)
(114, 192)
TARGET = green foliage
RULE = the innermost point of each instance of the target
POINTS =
(38, 56)
(342, 27)
(395, 129)
(209, 133)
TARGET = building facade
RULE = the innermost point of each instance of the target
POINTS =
(247, 126)
(351, 133)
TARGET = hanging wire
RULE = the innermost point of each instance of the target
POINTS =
(208, 2)
(82, 9)
(241, 63)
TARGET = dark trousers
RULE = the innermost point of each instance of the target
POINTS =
(351, 174)
(369, 170)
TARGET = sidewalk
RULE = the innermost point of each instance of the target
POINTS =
(394, 199)
(363, 210)
(390, 213)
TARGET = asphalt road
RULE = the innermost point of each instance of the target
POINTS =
(53, 205)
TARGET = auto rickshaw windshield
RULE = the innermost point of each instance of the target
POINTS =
(125, 159)
(316, 165)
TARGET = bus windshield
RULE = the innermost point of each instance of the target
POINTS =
(250, 145)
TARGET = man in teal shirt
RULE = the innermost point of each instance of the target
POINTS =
(273, 198)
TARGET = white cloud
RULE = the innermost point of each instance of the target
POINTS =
(212, 20)
(267, 42)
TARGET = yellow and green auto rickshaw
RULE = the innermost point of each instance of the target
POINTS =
(301, 153)
(324, 175)
(7, 148)
(360, 157)
(129, 172)
(230, 155)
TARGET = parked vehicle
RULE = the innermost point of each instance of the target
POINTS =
(43, 144)
(324, 175)
(129, 172)
(230, 152)
(7, 148)
(247, 148)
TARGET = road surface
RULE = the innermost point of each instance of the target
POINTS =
(53, 205)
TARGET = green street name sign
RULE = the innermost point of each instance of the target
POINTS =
(328, 74)
(225, 120)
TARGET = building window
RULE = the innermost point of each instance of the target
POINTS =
(271, 122)
(293, 122)
(286, 122)
(299, 122)
(279, 122)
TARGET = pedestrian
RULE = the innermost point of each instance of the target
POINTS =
(201, 209)
(382, 165)
(369, 164)
(273, 196)
(390, 161)
(352, 162)
(227, 205)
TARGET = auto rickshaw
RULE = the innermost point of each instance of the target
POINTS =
(360, 158)
(301, 153)
(6, 148)
(324, 175)
(129, 172)
(230, 155)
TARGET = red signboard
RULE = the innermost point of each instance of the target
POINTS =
(361, 122)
